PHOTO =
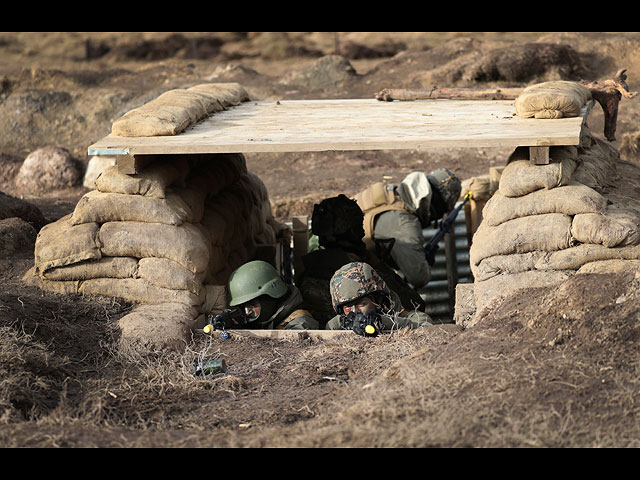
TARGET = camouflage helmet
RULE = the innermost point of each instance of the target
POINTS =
(353, 281)
(447, 184)
(254, 279)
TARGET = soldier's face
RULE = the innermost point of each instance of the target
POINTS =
(252, 309)
(363, 305)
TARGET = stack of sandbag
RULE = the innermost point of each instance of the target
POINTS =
(546, 221)
(170, 234)
(175, 110)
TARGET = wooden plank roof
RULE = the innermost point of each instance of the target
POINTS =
(353, 124)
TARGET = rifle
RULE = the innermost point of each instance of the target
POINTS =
(229, 318)
(431, 247)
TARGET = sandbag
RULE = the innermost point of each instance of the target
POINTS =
(623, 194)
(549, 232)
(215, 172)
(215, 299)
(62, 243)
(169, 114)
(217, 261)
(249, 189)
(160, 326)
(611, 229)
(151, 182)
(184, 244)
(555, 99)
(100, 207)
(219, 227)
(498, 264)
(106, 267)
(226, 94)
(137, 290)
(175, 110)
(575, 257)
(521, 177)
(267, 236)
(67, 287)
(611, 266)
(240, 198)
(570, 200)
(166, 273)
(480, 187)
(597, 165)
(258, 185)
(194, 198)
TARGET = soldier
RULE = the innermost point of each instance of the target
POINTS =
(364, 303)
(338, 224)
(266, 301)
(395, 215)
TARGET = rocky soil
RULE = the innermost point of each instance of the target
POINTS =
(549, 367)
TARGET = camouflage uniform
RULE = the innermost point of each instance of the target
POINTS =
(358, 279)
(403, 219)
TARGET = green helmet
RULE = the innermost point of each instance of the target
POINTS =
(254, 279)
(353, 281)
(447, 184)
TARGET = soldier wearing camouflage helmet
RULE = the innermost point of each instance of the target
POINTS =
(395, 215)
(363, 302)
(266, 301)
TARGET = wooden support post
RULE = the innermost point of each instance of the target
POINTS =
(451, 265)
(539, 155)
(132, 164)
(300, 227)
(473, 216)
(468, 221)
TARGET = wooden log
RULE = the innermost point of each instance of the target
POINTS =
(389, 95)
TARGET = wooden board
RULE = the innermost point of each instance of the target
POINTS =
(353, 124)
(314, 334)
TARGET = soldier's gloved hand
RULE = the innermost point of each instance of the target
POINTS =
(346, 321)
(367, 324)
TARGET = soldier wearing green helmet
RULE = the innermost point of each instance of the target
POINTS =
(266, 301)
(363, 302)
(395, 215)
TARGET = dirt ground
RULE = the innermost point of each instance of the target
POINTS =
(549, 367)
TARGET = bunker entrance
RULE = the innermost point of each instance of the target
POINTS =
(177, 212)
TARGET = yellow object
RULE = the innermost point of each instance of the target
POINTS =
(370, 329)
(208, 329)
